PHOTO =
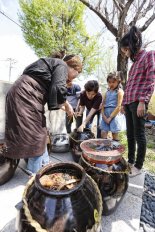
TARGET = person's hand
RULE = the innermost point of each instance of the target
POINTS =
(77, 114)
(122, 110)
(62, 107)
(81, 128)
(141, 109)
(76, 110)
(105, 118)
(108, 120)
(69, 110)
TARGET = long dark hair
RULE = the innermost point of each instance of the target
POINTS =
(133, 40)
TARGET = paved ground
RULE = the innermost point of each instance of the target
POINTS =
(125, 219)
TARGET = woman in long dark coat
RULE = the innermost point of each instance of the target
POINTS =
(44, 81)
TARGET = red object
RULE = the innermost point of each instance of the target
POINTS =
(94, 151)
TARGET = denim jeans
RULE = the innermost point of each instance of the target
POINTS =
(135, 135)
(36, 163)
(89, 124)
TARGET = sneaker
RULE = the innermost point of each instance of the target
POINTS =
(130, 166)
(135, 172)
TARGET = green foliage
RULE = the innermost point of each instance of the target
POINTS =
(149, 163)
(50, 26)
(151, 108)
(123, 138)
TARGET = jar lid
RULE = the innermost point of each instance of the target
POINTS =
(102, 150)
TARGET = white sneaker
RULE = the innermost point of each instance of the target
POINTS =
(135, 172)
(130, 166)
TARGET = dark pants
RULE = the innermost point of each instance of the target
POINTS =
(89, 124)
(135, 135)
(69, 122)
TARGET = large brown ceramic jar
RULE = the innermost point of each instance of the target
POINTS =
(76, 138)
(75, 210)
(108, 168)
(7, 166)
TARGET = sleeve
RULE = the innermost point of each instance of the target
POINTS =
(119, 103)
(149, 79)
(78, 90)
(57, 89)
(97, 102)
(82, 99)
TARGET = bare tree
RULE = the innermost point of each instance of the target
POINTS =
(119, 15)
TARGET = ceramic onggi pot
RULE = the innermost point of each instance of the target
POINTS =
(78, 209)
(7, 169)
(59, 143)
(76, 138)
(109, 170)
(7, 166)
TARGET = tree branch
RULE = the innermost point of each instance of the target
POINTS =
(108, 24)
(122, 18)
(149, 7)
(133, 22)
(120, 4)
(117, 5)
(99, 5)
(113, 13)
(147, 23)
(146, 44)
(106, 13)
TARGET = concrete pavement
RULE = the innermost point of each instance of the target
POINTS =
(125, 219)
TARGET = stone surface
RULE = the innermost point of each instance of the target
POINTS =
(125, 219)
(136, 185)
(147, 222)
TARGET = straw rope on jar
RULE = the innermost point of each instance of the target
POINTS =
(75, 209)
(103, 161)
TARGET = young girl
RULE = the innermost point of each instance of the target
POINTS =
(111, 106)
(138, 91)
(91, 99)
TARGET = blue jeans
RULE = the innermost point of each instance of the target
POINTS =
(37, 162)
(89, 124)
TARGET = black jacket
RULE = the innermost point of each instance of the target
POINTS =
(53, 73)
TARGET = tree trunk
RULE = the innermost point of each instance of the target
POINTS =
(122, 65)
